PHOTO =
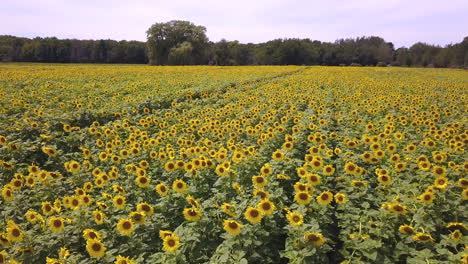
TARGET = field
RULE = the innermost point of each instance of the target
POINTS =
(259, 164)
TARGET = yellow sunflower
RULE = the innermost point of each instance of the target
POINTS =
(162, 189)
(316, 239)
(125, 226)
(325, 198)
(340, 198)
(266, 207)
(56, 224)
(119, 202)
(142, 181)
(303, 198)
(294, 218)
(95, 248)
(232, 227)
(192, 214)
(171, 243)
(253, 215)
(406, 229)
(179, 186)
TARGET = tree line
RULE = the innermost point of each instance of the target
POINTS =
(183, 43)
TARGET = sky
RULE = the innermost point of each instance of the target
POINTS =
(403, 22)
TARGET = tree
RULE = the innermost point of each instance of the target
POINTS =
(163, 37)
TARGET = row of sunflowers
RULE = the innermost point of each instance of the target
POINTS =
(137, 164)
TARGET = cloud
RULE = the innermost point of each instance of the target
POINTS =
(402, 22)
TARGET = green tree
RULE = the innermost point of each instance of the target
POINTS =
(163, 37)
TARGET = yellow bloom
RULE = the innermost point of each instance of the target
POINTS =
(253, 215)
(14, 233)
(266, 207)
(56, 224)
(232, 227)
(423, 237)
(406, 229)
(295, 218)
(302, 198)
(125, 226)
(171, 243)
(95, 248)
(119, 202)
(340, 198)
(179, 186)
(316, 239)
(325, 198)
(192, 214)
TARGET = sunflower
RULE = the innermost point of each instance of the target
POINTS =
(162, 189)
(262, 194)
(64, 253)
(253, 215)
(119, 202)
(463, 183)
(192, 214)
(171, 243)
(301, 172)
(398, 208)
(456, 226)
(303, 198)
(359, 183)
(266, 169)
(259, 181)
(456, 235)
(441, 183)
(170, 166)
(89, 234)
(221, 170)
(228, 209)
(316, 239)
(423, 237)
(439, 171)
(7, 193)
(47, 208)
(95, 248)
(142, 181)
(313, 179)
(328, 170)
(278, 155)
(350, 168)
(340, 198)
(99, 217)
(266, 207)
(232, 227)
(32, 216)
(56, 224)
(406, 229)
(125, 226)
(384, 179)
(426, 197)
(294, 218)
(164, 233)
(179, 186)
(123, 260)
(137, 217)
(325, 198)
(145, 208)
(13, 232)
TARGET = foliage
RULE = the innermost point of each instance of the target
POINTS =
(141, 164)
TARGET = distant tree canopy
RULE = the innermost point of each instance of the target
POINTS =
(71, 50)
(177, 43)
(183, 43)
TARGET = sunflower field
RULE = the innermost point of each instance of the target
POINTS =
(261, 164)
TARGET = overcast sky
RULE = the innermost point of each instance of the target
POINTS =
(402, 22)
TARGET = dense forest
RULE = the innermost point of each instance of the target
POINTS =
(183, 43)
